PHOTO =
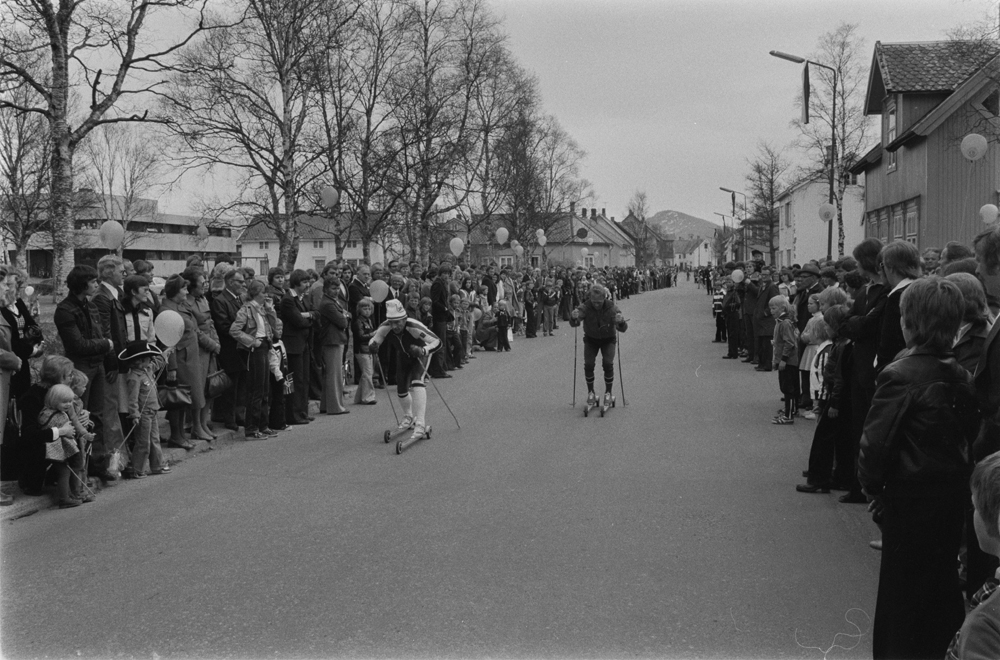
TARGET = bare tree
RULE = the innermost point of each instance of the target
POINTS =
(452, 42)
(843, 50)
(764, 183)
(79, 42)
(24, 176)
(124, 165)
(638, 207)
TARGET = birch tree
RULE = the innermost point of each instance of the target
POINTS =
(764, 183)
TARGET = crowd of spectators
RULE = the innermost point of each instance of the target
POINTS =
(253, 352)
(895, 356)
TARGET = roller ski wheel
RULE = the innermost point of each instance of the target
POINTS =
(413, 439)
(589, 405)
(392, 434)
(607, 404)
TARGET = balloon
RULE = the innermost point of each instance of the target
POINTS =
(542, 241)
(477, 314)
(379, 290)
(112, 234)
(29, 291)
(584, 251)
(457, 245)
(989, 213)
(539, 232)
(514, 244)
(329, 196)
(738, 275)
(827, 212)
(974, 146)
(169, 327)
(518, 250)
(501, 235)
(202, 231)
(590, 240)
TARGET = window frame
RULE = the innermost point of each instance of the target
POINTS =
(889, 131)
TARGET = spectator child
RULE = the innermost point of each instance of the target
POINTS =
(143, 361)
(280, 384)
(810, 342)
(454, 339)
(78, 382)
(426, 314)
(503, 322)
(466, 330)
(720, 318)
(364, 330)
(58, 411)
(785, 356)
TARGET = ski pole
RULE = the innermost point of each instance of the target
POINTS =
(621, 375)
(388, 392)
(445, 403)
(576, 334)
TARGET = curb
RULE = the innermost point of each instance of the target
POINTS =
(27, 505)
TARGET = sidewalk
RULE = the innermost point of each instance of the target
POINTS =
(26, 505)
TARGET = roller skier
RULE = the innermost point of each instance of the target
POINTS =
(414, 343)
(601, 324)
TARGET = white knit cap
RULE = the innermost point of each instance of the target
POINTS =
(394, 310)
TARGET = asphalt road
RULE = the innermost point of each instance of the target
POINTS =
(670, 528)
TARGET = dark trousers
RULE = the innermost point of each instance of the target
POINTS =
(765, 352)
(919, 605)
(805, 396)
(823, 450)
(257, 392)
(276, 411)
(439, 360)
(387, 361)
(228, 407)
(531, 327)
(502, 343)
(317, 369)
(788, 384)
(749, 338)
(297, 405)
(93, 401)
(847, 454)
(720, 328)
(733, 333)
(455, 348)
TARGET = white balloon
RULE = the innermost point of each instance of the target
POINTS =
(539, 232)
(29, 291)
(112, 234)
(501, 235)
(518, 250)
(329, 196)
(584, 251)
(169, 327)
(989, 213)
(827, 212)
(974, 146)
(514, 244)
(202, 231)
(457, 245)
(737, 275)
(379, 291)
(542, 241)
(590, 240)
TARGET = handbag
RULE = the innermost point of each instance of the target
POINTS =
(173, 396)
(216, 383)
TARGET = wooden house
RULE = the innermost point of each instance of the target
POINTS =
(918, 185)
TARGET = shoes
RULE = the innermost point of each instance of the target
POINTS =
(368, 403)
(300, 422)
(6, 500)
(728, 357)
(311, 418)
(748, 360)
(281, 428)
(256, 435)
(232, 427)
(344, 412)
(853, 498)
(812, 488)
(129, 473)
(69, 504)
(781, 420)
(808, 415)
(181, 445)
(406, 423)
(85, 498)
(762, 368)
(805, 473)
(875, 545)
(161, 470)
(591, 399)
(838, 485)
(269, 432)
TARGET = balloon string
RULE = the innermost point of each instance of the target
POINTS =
(968, 189)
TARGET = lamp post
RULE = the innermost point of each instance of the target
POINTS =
(743, 228)
(833, 127)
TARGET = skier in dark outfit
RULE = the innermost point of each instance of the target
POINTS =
(601, 319)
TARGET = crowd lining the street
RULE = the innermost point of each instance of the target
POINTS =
(894, 354)
(253, 353)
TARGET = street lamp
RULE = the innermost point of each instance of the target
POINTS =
(734, 193)
(833, 127)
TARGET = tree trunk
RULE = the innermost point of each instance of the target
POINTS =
(61, 207)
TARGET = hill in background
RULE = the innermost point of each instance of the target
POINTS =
(683, 225)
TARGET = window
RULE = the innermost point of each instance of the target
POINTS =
(318, 245)
(786, 210)
(912, 221)
(883, 225)
(788, 258)
(351, 245)
(897, 222)
(535, 260)
(318, 265)
(588, 261)
(264, 245)
(890, 134)
(506, 261)
(871, 231)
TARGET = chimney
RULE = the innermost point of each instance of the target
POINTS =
(583, 212)
(612, 218)
(572, 208)
(593, 213)
(604, 212)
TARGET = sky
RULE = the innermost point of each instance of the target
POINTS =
(673, 96)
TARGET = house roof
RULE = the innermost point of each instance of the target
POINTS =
(873, 156)
(562, 230)
(923, 67)
(801, 183)
(311, 228)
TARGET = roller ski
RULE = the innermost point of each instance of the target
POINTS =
(404, 426)
(590, 405)
(607, 403)
(419, 433)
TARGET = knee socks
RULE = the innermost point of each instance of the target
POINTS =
(419, 395)
(609, 376)
(588, 375)
(406, 402)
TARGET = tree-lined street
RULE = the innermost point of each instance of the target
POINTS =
(670, 528)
